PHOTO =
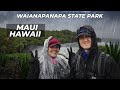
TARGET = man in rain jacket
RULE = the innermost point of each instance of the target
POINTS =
(49, 65)
(89, 62)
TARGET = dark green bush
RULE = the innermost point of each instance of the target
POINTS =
(114, 50)
(22, 59)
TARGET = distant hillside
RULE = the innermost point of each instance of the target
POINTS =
(17, 44)
(110, 39)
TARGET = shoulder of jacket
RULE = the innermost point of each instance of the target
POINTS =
(105, 54)
(62, 57)
(106, 57)
(77, 55)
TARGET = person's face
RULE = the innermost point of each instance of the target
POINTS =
(53, 50)
(85, 42)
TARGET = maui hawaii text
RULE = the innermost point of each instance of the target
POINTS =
(25, 31)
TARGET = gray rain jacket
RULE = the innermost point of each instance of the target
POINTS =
(48, 70)
(43, 68)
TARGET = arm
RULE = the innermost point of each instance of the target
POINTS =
(112, 69)
(71, 55)
(72, 63)
(34, 66)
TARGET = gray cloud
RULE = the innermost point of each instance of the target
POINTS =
(107, 27)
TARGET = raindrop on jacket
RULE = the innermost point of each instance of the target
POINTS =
(48, 70)
(98, 66)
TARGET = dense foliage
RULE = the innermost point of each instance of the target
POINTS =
(114, 50)
(17, 44)
(14, 65)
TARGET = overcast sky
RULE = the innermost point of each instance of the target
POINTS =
(106, 27)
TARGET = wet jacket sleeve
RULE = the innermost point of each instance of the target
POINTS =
(34, 69)
(73, 67)
(112, 69)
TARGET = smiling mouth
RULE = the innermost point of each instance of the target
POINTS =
(86, 43)
(54, 52)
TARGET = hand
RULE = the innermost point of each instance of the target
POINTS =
(47, 40)
(71, 55)
(34, 58)
(45, 47)
(35, 66)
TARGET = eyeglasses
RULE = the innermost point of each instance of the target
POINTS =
(55, 46)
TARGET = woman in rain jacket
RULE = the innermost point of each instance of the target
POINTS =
(50, 65)
(89, 62)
